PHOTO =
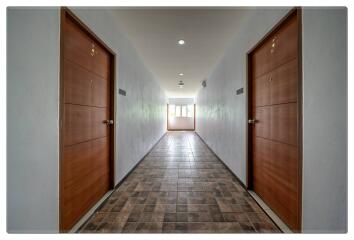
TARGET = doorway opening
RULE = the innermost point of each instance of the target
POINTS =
(274, 166)
(86, 135)
(180, 116)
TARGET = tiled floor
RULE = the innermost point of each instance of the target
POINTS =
(180, 187)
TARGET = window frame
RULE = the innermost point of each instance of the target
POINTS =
(177, 109)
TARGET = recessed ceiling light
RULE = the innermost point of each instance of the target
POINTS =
(181, 74)
(181, 42)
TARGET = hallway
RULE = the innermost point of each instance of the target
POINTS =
(167, 119)
(180, 187)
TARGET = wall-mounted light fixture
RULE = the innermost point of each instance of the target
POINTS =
(180, 84)
(204, 83)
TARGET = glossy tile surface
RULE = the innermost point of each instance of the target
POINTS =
(180, 187)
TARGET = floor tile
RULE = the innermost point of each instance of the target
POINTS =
(180, 187)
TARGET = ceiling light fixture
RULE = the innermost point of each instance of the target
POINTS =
(180, 84)
(181, 42)
(181, 74)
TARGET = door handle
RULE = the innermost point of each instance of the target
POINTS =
(252, 121)
(108, 122)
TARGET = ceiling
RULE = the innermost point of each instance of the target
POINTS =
(155, 32)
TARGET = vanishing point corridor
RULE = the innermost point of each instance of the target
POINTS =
(176, 119)
(180, 187)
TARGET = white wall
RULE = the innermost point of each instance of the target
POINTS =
(141, 114)
(221, 114)
(325, 120)
(180, 123)
(32, 120)
(33, 111)
(221, 120)
(185, 101)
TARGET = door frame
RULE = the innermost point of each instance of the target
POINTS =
(169, 129)
(249, 160)
(65, 12)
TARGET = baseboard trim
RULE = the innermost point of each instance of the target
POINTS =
(239, 181)
(97, 208)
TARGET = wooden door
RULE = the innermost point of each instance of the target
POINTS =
(274, 120)
(86, 88)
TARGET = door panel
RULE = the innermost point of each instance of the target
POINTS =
(100, 94)
(285, 158)
(283, 87)
(283, 127)
(77, 121)
(277, 86)
(285, 43)
(77, 46)
(98, 128)
(77, 84)
(77, 157)
(262, 90)
(82, 163)
(85, 51)
(85, 167)
(274, 145)
(275, 180)
(75, 37)
(262, 128)
(101, 62)
(261, 153)
(84, 88)
(261, 60)
(278, 48)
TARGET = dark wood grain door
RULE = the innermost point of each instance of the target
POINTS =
(85, 140)
(274, 121)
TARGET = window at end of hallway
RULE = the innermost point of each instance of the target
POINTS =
(178, 111)
(190, 111)
(184, 111)
(172, 110)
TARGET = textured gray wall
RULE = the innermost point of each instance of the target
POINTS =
(325, 120)
(141, 114)
(221, 120)
(33, 111)
(221, 114)
(32, 120)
